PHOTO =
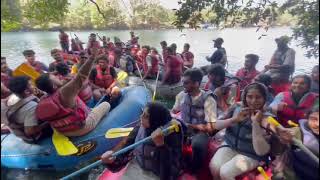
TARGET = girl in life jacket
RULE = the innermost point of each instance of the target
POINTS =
(103, 78)
(294, 104)
(159, 159)
(299, 162)
(246, 141)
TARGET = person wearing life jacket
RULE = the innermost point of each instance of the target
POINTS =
(83, 56)
(64, 41)
(127, 62)
(248, 72)
(246, 142)
(198, 113)
(63, 109)
(93, 43)
(220, 55)
(134, 39)
(6, 74)
(102, 77)
(282, 65)
(29, 55)
(294, 104)
(151, 67)
(164, 47)
(79, 43)
(159, 159)
(63, 74)
(20, 116)
(302, 165)
(56, 54)
(173, 68)
(315, 79)
(75, 47)
(226, 89)
(141, 59)
(188, 57)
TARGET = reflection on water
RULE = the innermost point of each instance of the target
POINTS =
(238, 42)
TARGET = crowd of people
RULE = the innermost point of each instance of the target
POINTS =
(239, 105)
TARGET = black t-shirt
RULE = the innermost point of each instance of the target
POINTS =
(93, 73)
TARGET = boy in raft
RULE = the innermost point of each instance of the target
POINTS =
(303, 166)
(64, 76)
(29, 55)
(82, 59)
(159, 159)
(151, 66)
(93, 43)
(199, 113)
(64, 41)
(282, 63)
(63, 108)
(173, 68)
(226, 91)
(164, 47)
(20, 117)
(102, 77)
(294, 104)
(248, 72)
(187, 56)
(220, 55)
(315, 79)
(246, 142)
(56, 54)
(127, 62)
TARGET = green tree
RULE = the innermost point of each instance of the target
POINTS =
(10, 15)
(250, 12)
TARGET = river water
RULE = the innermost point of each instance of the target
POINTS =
(238, 43)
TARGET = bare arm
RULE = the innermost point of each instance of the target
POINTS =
(70, 90)
(260, 144)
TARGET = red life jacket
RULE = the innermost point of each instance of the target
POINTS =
(37, 66)
(61, 118)
(64, 38)
(154, 65)
(75, 47)
(86, 92)
(187, 58)
(141, 60)
(175, 64)
(295, 112)
(70, 57)
(103, 80)
(93, 44)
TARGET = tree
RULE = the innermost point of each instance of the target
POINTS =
(253, 12)
(10, 15)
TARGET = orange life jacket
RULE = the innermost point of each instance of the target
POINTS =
(61, 118)
(103, 80)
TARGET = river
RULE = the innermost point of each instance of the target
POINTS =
(238, 43)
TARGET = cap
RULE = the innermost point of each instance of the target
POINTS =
(218, 40)
(284, 39)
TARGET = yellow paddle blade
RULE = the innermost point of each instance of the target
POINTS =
(291, 123)
(118, 132)
(272, 121)
(63, 145)
(122, 76)
(26, 70)
(263, 173)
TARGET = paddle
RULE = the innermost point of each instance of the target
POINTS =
(118, 132)
(121, 77)
(167, 131)
(263, 173)
(63, 145)
(26, 70)
(155, 90)
(141, 75)
(295, 141)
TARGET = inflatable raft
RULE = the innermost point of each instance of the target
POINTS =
(15, 153)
